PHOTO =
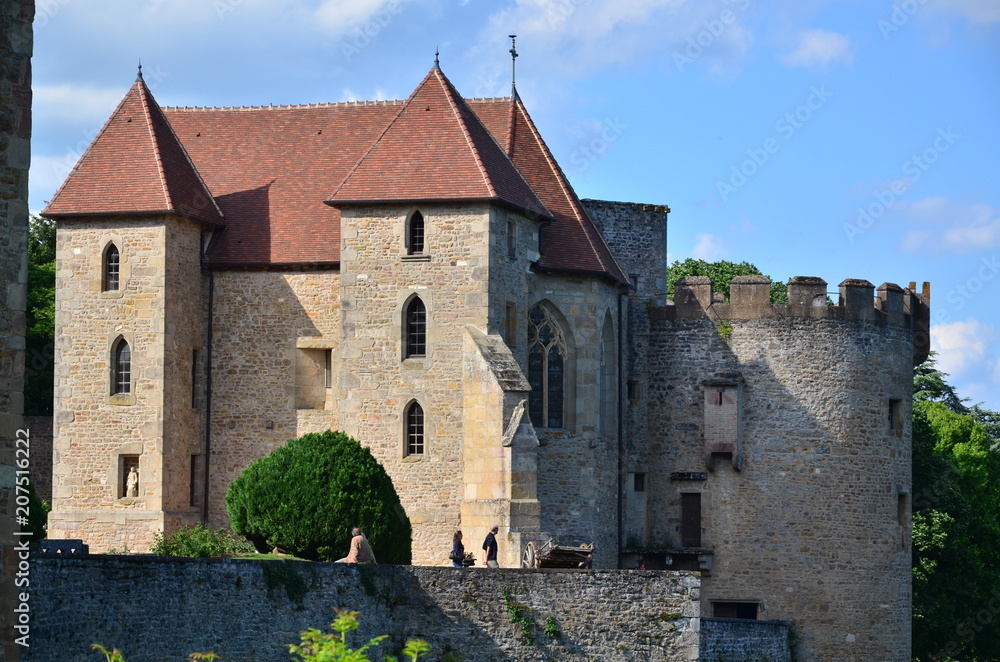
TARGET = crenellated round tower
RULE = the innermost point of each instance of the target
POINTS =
(777, 450)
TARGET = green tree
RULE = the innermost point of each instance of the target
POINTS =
(305, 496)
(721, 273)
(956, 528)
(40, 317)
(930, 384)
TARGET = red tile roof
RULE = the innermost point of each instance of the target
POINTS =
(135, 165)
(436, 149)
(270, 169)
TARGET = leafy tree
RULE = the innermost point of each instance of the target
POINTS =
(305, 497)
(40, 317)
(929, 384)
(956, 527)
(721, 273)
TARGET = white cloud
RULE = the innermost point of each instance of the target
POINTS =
(955, 228)
(75, 102)
(343, 17)
(819, 47)
(976, 11)
(963, 346)
(575, 37)
(710, 248)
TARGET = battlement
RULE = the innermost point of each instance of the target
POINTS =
(859, 300)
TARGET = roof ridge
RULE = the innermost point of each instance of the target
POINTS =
(451, 93)
(570, 194)
(292, 106)
(144, 96)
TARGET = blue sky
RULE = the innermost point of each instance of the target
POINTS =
(818, 138)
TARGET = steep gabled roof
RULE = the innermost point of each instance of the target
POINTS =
(436, 149)
(136, 165)
(572, 241)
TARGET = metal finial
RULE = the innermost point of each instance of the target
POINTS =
(437, 64)
(513, 64)
(138, 78)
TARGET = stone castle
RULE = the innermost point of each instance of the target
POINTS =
(421, 275)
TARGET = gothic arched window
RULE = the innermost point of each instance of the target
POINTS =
(416, 329)
(414, 429)
(121, 368)
(110, 275)
(415, 234)
(546, 369)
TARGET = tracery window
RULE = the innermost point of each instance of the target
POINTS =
(414, 429)
(416, 329)
(121, 368)
(546, 369)
(110, 277)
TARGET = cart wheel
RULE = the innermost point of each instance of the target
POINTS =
(528, 556)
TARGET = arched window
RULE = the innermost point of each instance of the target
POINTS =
(546, 369)
(414, 429)
(416, 329)
(121, 368)
(110, 272)
(415, 234)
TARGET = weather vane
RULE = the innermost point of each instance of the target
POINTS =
(139, 77)
(513, 64)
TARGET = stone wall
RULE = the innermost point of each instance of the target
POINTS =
(15, 155)
(801, 502)
(637, 235)
(40, 428)
(745, 640)
(158, 609)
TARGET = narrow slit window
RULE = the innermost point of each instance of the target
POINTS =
(896, 415)
(639, 483)
(511, 239)
(121, 373)
(415, 235)
(691, 520)
(416, 329)
(414, 430)
(196, 379)
(111, 275)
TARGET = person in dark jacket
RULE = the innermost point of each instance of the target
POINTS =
(490, 547)
(457, 550)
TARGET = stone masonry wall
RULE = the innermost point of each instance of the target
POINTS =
(91, 427)
(637, 235)
(260, 318)
(15, 155)
(745, 640)
(40, 428)
(159, 609)
(809, 528)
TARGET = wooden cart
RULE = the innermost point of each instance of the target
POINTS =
(551, 555)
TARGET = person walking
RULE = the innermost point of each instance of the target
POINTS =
(457, 551)
(490, 547)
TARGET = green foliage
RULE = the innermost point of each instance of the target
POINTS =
(721, 273)
(552, 628)
(520, 615)
(38, 515)
(929, 384)
(305, 496)
(200, 542)
(40, 317)
(114, 655)
(319, 646)
(956, 526)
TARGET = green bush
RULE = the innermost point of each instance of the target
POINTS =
(200, 542)
(38, 515)
(305, 496)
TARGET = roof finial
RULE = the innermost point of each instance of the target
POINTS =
(138, 78)
(513, 65)
(437, 64)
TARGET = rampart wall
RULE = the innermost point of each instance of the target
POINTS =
(160, 609)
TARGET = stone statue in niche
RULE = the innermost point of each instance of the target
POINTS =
(132, 484)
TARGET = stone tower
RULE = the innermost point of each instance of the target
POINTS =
(782, 467)
(130, 333)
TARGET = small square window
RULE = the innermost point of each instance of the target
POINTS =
(746, 610)
(638, 482)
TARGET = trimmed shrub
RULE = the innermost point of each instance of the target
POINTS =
(305, 496)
